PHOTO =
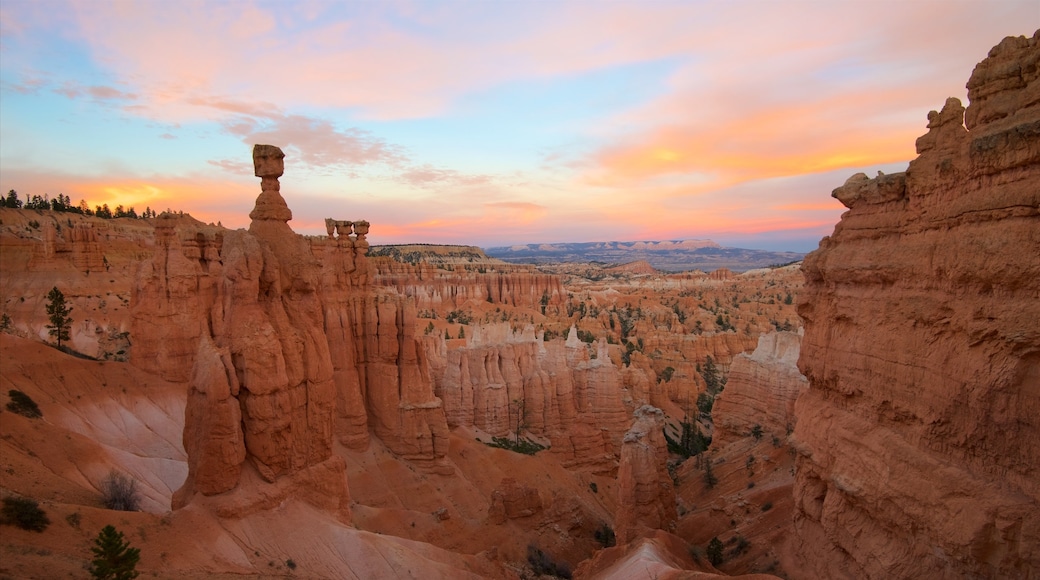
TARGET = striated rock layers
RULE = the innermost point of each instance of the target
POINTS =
(288, 348)
(443, 289)
(919, 437)
(554, 389)
(761, 390)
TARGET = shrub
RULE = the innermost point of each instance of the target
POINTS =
(23, 405)
(119, 492)
(767, 506)
(114, 559)
(291, 564)
(742, 545)
(756, 431)
(543, 563)
(709, 475)
(525, 446)
(24, 513)
(605, 536)
(714, 551)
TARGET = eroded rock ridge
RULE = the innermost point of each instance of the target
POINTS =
(919, 436)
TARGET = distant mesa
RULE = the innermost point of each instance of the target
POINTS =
(666, 255)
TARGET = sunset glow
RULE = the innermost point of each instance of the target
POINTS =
(491, 123)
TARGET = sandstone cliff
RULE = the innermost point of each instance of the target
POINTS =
(443, 289)
(90, 260)
(554, 389)
(287, 347)
(919, 437)
(762, 389)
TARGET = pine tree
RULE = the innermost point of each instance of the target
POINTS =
(114, 558)
(714, 551)
(58, 313)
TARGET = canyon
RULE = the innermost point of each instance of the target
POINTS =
(315, 406)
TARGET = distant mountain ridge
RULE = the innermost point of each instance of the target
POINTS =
(667, 255)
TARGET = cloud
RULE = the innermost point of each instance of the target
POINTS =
(318, 142)
(427, 175)
(97, 93)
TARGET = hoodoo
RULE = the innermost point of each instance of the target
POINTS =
(919, 436)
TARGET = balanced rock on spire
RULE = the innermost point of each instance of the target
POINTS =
(268, 165)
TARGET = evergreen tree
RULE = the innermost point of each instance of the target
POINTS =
(58, 313)
(114, 558)
(710, 373)
(714, 551)
(12, 200)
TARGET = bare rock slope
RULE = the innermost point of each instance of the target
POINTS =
(919, 437)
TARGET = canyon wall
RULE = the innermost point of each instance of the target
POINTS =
(555, 389)
(439, 288)
(762, 389)
(919, 437)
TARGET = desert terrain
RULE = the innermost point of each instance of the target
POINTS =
(310, 406)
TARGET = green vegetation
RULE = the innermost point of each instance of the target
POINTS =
(691, 441)
(712, 377)
(525, 446)
(666, 374)
(709, 475)
(62, 203)
(24, 513)
(23, 405)
(58, 313)
(605, 535)
(114, 559)
(704, 403)
(756, 431)
(714, 551)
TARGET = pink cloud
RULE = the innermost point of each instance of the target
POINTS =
(427, 175)
(318, 142)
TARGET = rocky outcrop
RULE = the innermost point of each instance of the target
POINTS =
(512, 500)
(646, 499)
(287, 347)
(448, 288)
(555, 389)
(262, 384)
(762, 389)
(919, 436)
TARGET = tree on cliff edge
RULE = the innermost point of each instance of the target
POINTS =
(58, 313)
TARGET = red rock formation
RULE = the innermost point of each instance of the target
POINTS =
(919, 436)
(288, 344)
(646, 499)
(761, 390)
(261, 385)
(512, 500)
(573, 400)
(442, 289)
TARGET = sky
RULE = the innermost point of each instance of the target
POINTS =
(489, 123)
